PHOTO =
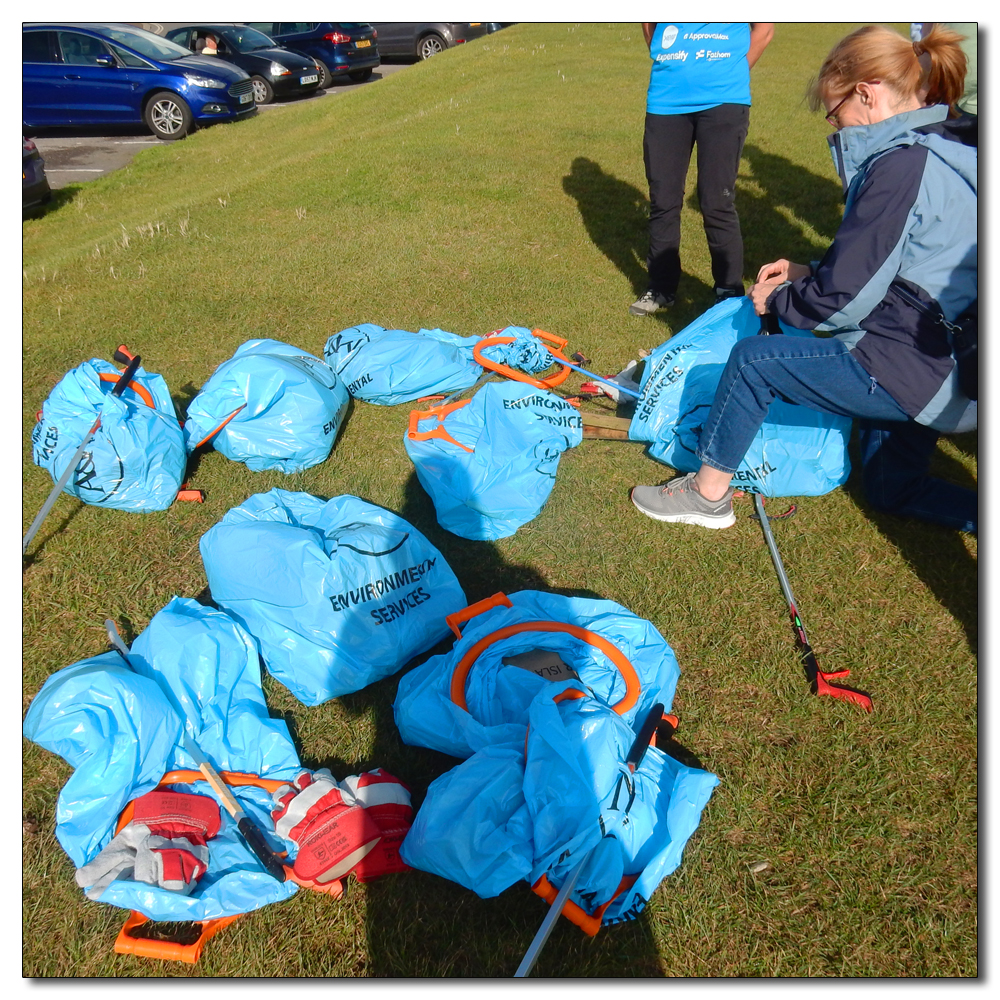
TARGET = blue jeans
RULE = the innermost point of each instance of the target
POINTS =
(822, 374)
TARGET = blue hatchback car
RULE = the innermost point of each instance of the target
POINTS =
(340, 48)
(97, 74)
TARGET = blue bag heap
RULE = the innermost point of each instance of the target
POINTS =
(797, 451)
(489, 463)
(135, 461)
(337, 593)
(271, 406)
(540, 695)
(115, 726)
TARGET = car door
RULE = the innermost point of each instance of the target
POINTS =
(396, 38)
(94, 87)
(41, 72)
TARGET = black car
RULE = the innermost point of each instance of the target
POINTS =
(423, 39)
(340, 48)
(275, 71)
(34, 184)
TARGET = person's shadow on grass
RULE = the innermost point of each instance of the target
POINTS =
(419, 924)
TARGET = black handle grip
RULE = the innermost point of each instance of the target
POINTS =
(126, 376)
(122, 354)
(638, 748)
(257, 844)
(769, 324)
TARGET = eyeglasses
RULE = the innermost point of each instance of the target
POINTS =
(832, 116)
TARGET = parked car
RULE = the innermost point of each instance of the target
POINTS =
(34, 184)
(340, 48)
(417, 40)
(275, 71)
(96, 74)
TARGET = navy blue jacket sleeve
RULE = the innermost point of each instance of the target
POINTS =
(856, 271)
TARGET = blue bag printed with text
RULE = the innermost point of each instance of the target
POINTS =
(115, 726)
(797, 452)
(395, 366)
(489, 463)
(338, 593)
(271, 406)
(135, 461)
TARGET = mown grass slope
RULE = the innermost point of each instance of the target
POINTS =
(502, 183)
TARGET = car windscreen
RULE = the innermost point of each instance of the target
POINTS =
(247, 39)
(147, 44)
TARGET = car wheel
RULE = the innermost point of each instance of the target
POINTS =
(325, 79)
(361, 75)
(168, 116)
(263, 92)
(430, 45)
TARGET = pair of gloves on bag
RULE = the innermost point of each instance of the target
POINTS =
(338, 827)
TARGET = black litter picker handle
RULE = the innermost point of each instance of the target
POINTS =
(256, 842)
(126, 376)
(638, 749)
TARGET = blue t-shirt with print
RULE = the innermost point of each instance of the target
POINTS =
(698, 66)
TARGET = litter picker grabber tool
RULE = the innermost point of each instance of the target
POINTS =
(248, 829)
(632, 761)
(818, 679)
(119, 387)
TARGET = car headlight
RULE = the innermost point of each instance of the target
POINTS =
(205, 81)
(278, 70)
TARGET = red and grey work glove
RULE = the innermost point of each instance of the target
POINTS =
(387, 801)
(165, 844)
(333, 832)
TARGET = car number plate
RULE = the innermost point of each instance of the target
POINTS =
(309, 79)
(246, 98)
(363, 43)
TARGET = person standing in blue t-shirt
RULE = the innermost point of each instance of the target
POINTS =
(699, 93)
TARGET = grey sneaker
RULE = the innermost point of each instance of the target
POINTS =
(680, 501)
(650, 302)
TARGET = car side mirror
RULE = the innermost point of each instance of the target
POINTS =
(105, 60)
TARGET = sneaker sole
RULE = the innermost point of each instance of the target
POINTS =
(703, 520)
(644, 312)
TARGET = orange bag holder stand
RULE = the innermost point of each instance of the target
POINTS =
(558, 343)
(173, 951)
(589, 923)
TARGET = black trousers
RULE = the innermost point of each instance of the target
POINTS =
(719, 134)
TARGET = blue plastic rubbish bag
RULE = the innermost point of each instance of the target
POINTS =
(617, 654)
(337, 593)
(489, 463)
(388, 367)
(797, 452)
(135, 461)
(396, 366)
(536, 807)
(115, 726)
(271, 406)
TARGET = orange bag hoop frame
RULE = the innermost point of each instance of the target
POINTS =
(495, 366)
(465, 664)
(140, 390)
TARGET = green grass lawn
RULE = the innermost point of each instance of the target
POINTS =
(502, 183)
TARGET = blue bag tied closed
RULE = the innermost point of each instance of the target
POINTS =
(135, 461)
(388, 367)
(121, 733)
(489, 463)
(271, 406)
(338, 593)
(797, 452)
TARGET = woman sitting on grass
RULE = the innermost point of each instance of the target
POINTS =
(906, 250)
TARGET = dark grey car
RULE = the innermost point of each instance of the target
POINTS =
(421, 40)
